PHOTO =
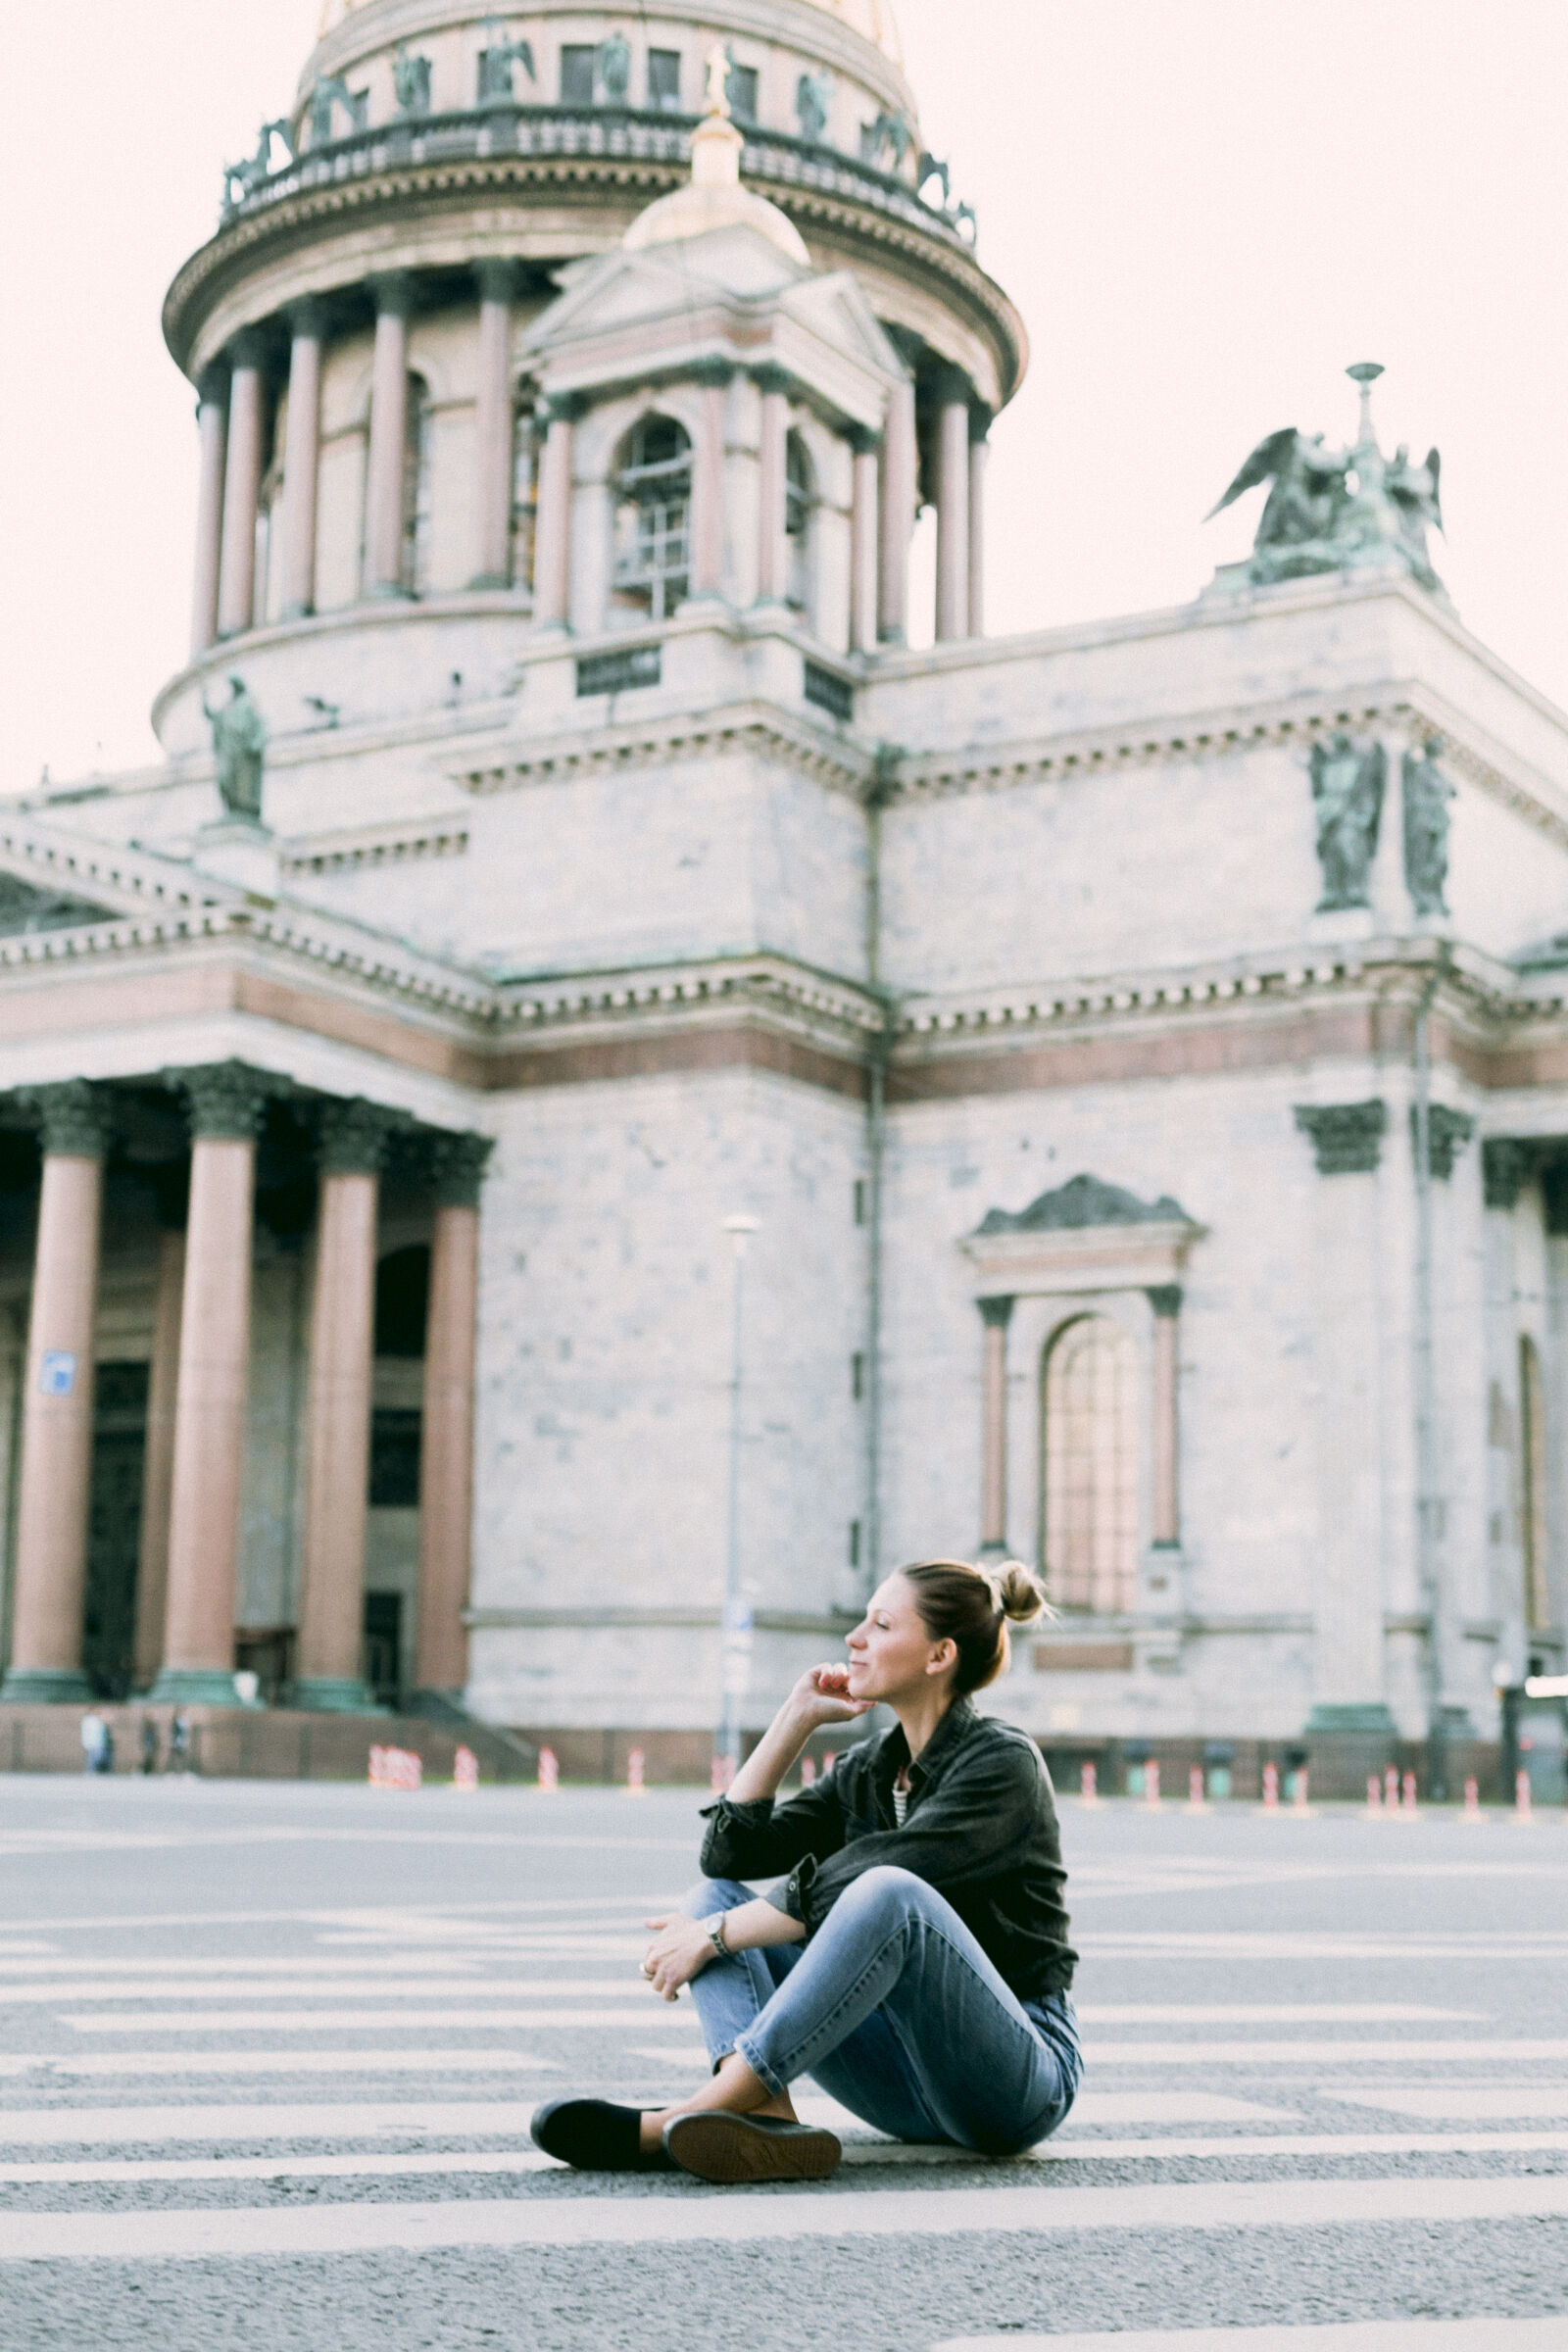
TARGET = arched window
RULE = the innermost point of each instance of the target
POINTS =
(1090, 1450)
(1533, 1487)
(798, 497)
(524, 489)
(652, 517)
(416, 489)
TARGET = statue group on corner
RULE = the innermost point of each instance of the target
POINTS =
(1341, 510)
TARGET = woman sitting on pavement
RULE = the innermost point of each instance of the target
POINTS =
(913, 1960)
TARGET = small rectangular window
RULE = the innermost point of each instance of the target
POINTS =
(854, 1543)
(741, 90)
(615, 674)
(576, 77)
(664, 81)
(860, 1199)
(829, 692)
(857, 1377)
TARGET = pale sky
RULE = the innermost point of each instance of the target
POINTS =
(1205, 212)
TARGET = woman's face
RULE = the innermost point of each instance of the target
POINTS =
(891, 1652)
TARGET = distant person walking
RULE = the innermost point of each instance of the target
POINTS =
(97, 1743)
(913, 1957)
(179, 1743)
(149, 1745)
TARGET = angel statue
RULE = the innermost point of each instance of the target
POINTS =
(1308, 495)
(1414, 490)
(239, 750)
(1348, 785)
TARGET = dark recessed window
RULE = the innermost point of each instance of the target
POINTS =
(829, 693)
(664, 81)
(741, 90)
(854, 1543)
(402, 1294)
(395, 1442)
(614, 673)
(576, 77)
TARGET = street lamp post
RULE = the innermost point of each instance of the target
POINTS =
(736, 1648)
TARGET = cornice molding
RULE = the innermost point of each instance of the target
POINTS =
(759, 727)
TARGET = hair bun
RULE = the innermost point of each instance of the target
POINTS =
(1019, 1592)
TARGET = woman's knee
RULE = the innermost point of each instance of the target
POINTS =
(887, 1890)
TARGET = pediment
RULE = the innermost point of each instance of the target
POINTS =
(648, 284)
(1086, 1234)
(27, 908)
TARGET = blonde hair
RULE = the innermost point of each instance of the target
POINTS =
(972, 1606)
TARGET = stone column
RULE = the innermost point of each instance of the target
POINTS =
(157, 1469)
(995, 1314)
(494, 426)
(212, 428)
(302, 457)
(386, 480)
(52, 1506)
(953, 510)
(329, 1671)
(979, 459)
(772, 566)
(242, 483)
(551, 546)
(446, 1462)
(900, 490)
(1166, 1301)
(227, 1102)
(863, 543)
(707, 486)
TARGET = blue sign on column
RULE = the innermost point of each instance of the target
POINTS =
(57, 1376)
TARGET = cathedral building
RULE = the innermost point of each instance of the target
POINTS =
(594, 1099)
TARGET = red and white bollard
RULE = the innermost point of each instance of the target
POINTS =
(1374, 1793)
(807, 1773)
(465, 1769)
(1152, 1784)
(1300, 1802)
(1472, 1801)
(718, 1779)
(549, 1771)
(829, 1760)
(1521, 1796)
(1197, 1802)
(1390, 1789)
(1089, 1784)
(1409, 1804)
(1271, 1788)
(635, 1786)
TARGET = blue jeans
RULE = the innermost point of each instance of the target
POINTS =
(894, 2009)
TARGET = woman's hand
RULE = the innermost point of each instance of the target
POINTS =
(822, 1696)
(679, 1952)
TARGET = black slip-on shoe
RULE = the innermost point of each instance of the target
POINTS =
(594, 2135)
(728, 2148)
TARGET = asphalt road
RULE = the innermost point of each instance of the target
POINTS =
(268, 2053)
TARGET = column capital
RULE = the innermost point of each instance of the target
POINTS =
(354, 1135)
(1346, 1137)
(1447, 1133)
(770, 378)
(1505, 1169)
(74, 1118)
(996, 1313)
(308, 318)
(212, 387)
(864, 439)
(498, 278)
(247, 349)
(952, 388)
(717, 375)
(564, 408)
(981, 420)
(455, 1165)
(1166, 1297)
(226, 1100)
(396, 293)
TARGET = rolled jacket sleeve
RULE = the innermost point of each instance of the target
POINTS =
(755, 1841)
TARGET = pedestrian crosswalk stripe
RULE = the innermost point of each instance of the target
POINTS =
(648, 2011)
(286, 2062)
(1460, 2102)
(680, 2215)
(1359, 2335)
(213, 2120)
(1458, 2050)
(1271, 2013)
(308, 1987)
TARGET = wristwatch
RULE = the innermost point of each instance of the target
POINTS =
(715, 1934)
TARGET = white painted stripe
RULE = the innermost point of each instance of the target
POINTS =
(1454, 2052)
(1271, 2013)
(1470, 2103)
(869, 2150)
(10, 1948)
(518, 1912)
(286, 2062)
(685, 2217)
(377, 2119)
(211, 1979)
(1360, 2335)
(513, 1947)
(368, 1987)
(1278, 1947)
(648, 2011)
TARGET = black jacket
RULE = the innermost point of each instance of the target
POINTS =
(980, 1828)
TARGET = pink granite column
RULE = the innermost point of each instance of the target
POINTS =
(494, 426)
(994, 1314)
(329, 1669)
(386, 482)
(551, 556)
(242, 484)
(901, 489)
(1166, 1300)
(772, 566)
(707, 486)
(52, 1506)
(212, 428)
(302, 457)
(863, 543)
(446, 1459)
(157, 1469)
(979, 459)
(953, 511)
(227, 1102)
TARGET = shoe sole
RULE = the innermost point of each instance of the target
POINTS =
(728, 2150)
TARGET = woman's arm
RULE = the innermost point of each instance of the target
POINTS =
(746, 1838)
(818, 1698)
(683, 1947)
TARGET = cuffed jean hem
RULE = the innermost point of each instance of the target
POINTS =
(747, 2049)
